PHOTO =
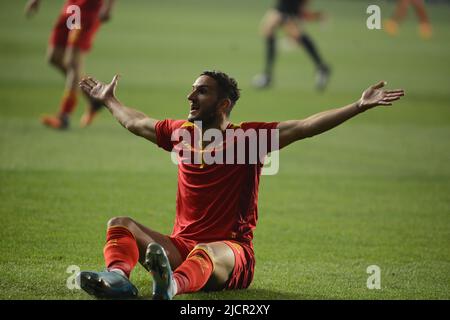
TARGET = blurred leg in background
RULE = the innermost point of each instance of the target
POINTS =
(392, 25)
(67, 51)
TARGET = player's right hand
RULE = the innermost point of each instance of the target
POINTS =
(31, 8)
(98, 90)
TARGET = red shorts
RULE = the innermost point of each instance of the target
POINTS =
(244, 260)
(82, 38)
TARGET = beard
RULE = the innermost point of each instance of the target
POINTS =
(207, 116)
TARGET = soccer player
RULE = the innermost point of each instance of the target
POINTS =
(67, 50)
(210, 247)
(425, 30)
(288, 14)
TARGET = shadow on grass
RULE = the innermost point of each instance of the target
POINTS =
(248, 294)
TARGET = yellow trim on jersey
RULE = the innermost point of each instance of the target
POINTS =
(205, 251)
(187, 124)
(235, 126)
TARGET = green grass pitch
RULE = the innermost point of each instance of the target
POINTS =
(375, 191)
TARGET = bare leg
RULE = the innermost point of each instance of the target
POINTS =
(391, 25)
(425, 29)
(270, 22)
(74, 63)
(69, 62)
(223, 259)
(401, 10)
(208, 267)
(55, 56)
(420, 11)
(72, 66)
(293, 30)
(144, 236)
(127, 241)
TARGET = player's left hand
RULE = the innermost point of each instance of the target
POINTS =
(376, 96)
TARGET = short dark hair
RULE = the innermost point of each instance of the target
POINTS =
(228, 87)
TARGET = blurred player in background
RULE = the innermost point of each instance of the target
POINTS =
(288, 14)
(391, 26)
(211, 245)
(67, 51)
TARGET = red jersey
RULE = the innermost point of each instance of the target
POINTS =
(215, 201)
(86, 5)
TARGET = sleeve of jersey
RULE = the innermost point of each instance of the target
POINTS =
(164, 129)
(267, 134)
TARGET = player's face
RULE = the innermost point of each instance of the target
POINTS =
(203, 100)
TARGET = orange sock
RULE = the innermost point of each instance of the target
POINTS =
(121, 250)
(194, 272)
(68, 102)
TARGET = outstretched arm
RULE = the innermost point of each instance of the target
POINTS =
(133, 120)
(293, 130)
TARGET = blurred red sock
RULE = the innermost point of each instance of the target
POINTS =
(68, 102)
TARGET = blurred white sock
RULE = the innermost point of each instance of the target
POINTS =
(119, 272)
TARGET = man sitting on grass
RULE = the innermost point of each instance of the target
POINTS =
(210, 247)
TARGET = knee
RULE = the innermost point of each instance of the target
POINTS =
(120, 221)
(207, 249)
(221, 268)
(268, 32)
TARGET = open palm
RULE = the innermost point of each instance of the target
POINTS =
(376, 96)
(98, 90)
